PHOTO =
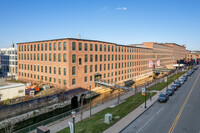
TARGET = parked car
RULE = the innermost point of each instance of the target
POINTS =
(182, 81)
(185, 76)
(163, 97)
(170, 91)
(174, 87)
(178, 83)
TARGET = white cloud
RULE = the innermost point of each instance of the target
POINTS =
(121, 8)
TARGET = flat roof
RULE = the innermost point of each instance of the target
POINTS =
(82, 40)
(11, 86)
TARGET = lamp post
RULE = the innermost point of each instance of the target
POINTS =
(73, 117)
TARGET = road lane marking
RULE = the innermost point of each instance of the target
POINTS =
(183, 106)
(150, 120)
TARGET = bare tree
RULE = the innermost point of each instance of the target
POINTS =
(9, 127)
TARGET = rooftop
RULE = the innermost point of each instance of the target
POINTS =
(11, 86)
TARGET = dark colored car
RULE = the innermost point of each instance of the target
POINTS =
(170, 91)
(174, 87)
(163, 97)
(185, 77)
(178, 83)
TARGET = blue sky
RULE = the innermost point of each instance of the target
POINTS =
(118, 21)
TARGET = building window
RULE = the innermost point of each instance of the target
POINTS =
(96, 58)
(49, 57)
(59, 57)
(45, 57)
(45, 46)
(54, 46)
(59, 46)
(73, 58)
(108, 48)
(54, 57)
(64, 57)
(86, 46)
(65, 82)
(59, 70)
(38, 47)
(80, 61)
(100, 67)
(74, 46)
(100, 57)
(73, 70)
(64, 46)
(91, 47)
(90, 78)
(41, 57)
(104, 48)
(91, 58)
(100, 47)
(34, 47)
(73, 81)
(95, 68)
(50, 47)
(49, 79)
(54, 70)
(50, 69)
(91, 68)
(85, 78)
(54, 80)
(104, 67)
(65, 72)
(45, 69)
(85, 69)
(41, 68)
(86, 58)
(104, 57)
(96, 47)
(80, 46)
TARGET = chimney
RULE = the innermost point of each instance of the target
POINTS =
(12, 45)
(79, 36)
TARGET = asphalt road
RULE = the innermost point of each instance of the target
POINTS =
(181, 113)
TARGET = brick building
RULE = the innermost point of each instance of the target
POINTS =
(73, 63)
(192, 57)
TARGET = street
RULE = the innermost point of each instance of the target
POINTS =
(181, 113)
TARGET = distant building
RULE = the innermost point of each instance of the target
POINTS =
(8, 61)
(192, 57)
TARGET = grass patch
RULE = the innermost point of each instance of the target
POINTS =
(162, 85)
(96, 124)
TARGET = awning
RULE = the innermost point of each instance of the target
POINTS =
(129, 83)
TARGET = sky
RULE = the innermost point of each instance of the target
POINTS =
(117, 21)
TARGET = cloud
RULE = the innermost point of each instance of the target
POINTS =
(121, 8)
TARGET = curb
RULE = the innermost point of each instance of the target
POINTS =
(138, 116)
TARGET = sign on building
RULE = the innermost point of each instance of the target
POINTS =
(150, 63)
(158, 62)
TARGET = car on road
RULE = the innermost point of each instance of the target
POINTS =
(170, 91)
(178, 83)
(196, 67)
(174, 87)
(163, 97)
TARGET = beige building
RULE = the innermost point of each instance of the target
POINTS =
(12, 91)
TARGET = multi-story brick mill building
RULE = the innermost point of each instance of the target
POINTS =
(73, 63)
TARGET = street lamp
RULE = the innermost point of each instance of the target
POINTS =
(145, 105)
(73, 117)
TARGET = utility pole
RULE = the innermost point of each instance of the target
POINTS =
(145, 106)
